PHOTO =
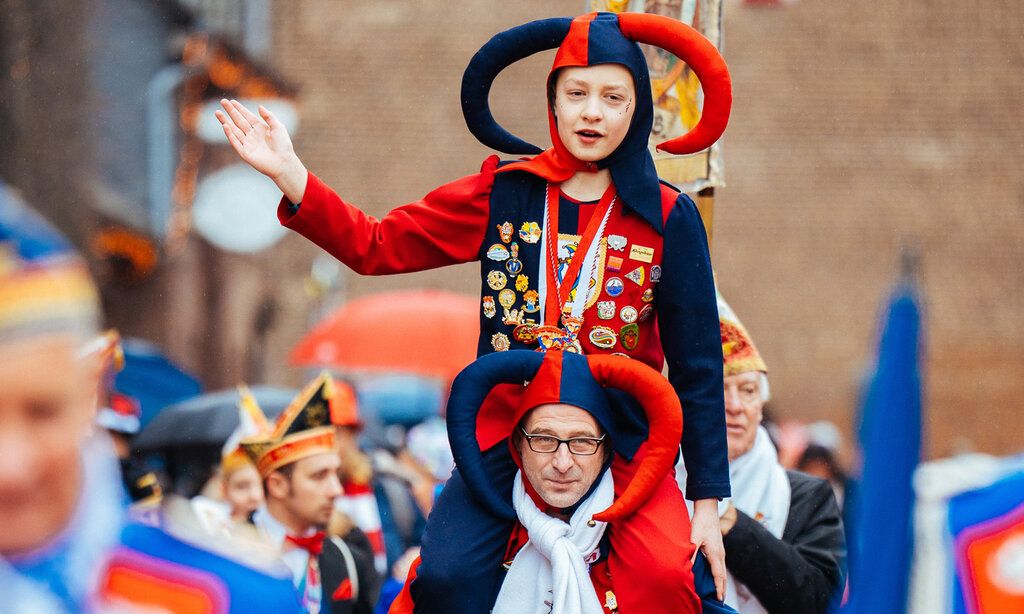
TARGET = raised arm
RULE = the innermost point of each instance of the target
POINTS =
(445, 227)
(263, 142)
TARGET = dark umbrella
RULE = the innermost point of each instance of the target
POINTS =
(206, 420)
(152, 379)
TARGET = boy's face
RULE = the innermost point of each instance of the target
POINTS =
(593, 108)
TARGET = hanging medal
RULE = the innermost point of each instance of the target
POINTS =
(569, 312)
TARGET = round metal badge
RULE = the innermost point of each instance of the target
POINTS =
(645, 313)
(496, 280)
(507, 298)
(500, 342)
(606, 310)
(628, 314)
(613, 286)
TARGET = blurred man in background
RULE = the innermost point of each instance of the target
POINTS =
(65, 544)
(299, 467)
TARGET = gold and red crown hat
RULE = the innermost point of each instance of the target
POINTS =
(303, 430)
(739, 354)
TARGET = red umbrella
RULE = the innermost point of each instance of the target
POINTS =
(425, 332)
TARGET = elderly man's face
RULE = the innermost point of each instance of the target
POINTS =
(46, 407)
(743, 411)
(561, 478)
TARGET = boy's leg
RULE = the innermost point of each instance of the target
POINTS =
(651, 550)
(463, 546)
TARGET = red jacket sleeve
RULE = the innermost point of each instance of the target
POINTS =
(445, 227)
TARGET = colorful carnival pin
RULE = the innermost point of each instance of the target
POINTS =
(496, 280)
(497, 252)
(603, 337)
(514, 265)
(505, 231)
(500, 342)
(531, 298)
(530, 232)
(630, 336)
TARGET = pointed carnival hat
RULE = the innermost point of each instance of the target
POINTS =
(302, 430)
(564, 377)
(45, 286)
(252, 423)
(587, 40)
(739, 354)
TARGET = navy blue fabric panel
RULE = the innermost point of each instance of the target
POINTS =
(515, 198)
(691, 337)
(460, 569)
(250, 590)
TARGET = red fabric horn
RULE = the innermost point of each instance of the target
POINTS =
(665, 419)
(701, 56)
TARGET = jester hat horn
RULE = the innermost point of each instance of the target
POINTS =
(559, 377)
(598, 38)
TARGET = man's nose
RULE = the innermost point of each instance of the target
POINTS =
(334, 487)
(732, 402)
(563, 460)
(19, 461)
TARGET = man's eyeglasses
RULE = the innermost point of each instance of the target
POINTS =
(546, 444)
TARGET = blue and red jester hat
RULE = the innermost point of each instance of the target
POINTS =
(565, 377)
(602, 38)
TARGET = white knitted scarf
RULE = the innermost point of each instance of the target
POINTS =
(551, 574)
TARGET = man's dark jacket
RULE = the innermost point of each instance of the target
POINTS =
(337, 599)
(803, 571)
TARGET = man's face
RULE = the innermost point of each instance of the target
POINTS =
(308, 494)
(743, 407)
(561, 478)
(46, 408)
(243, 490)
(593, 108)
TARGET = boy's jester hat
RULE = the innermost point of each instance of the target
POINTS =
(602, 38)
